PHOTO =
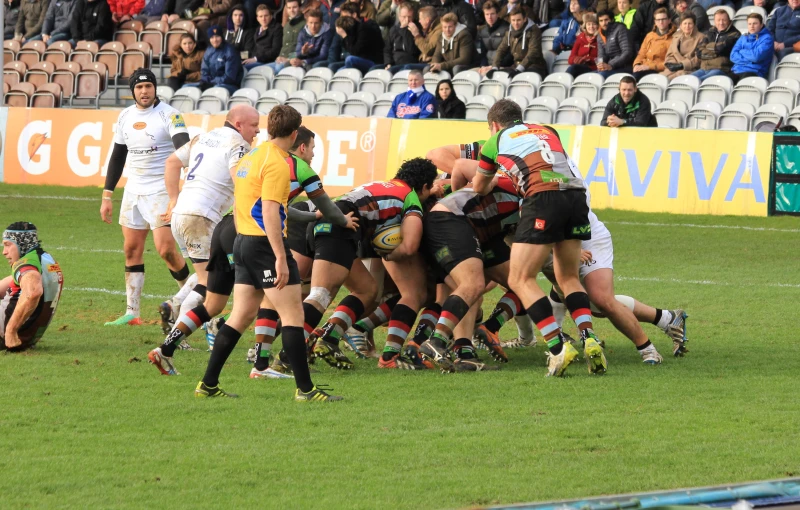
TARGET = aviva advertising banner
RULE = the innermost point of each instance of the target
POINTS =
(653, 170)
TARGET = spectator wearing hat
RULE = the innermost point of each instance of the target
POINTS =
(222, 64)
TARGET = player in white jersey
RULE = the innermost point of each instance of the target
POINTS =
(207, 194)
(147, 133)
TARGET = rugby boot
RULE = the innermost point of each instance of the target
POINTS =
(593, 352)
(558, 363)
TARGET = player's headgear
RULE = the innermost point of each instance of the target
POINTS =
(143, 75)
(24, 235)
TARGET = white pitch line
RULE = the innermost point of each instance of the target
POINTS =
(706, 282)
(112, 292)
(692, 225)
(48, 197)
(93, 250)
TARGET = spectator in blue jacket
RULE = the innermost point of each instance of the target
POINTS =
(222, 64)
(153, 10)
(752, 54)
(785, 28)
(569, 28)
(416, 102)
(314, 40)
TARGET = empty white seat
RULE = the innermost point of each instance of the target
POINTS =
(316, 80)
(164, 93)
(478, 106)
(789, 67)
(359, 104)
(288, 79)
(573, 110)
(716, 88)
(399, 82)
(683, 88)
(671, 114)
(541, 110)
(750, 90)
(375, 81)
(610, 87)
(654, 86)
(330, 103)
(243, 96)
(703, 115)
(556, 85)
(259, 78)
(774, 113)
(597, 111)
(524, 84)
(493, 87)
(522, 101)
(270, 99)
(587, 86)
(550, 59)
(185, 98)
(383, 104)
(794, 118)
(561, 63)
(302, 101)
(466, 83)
(548, 36)
(346, 80)
(736, 117)
(783, 91)
(214, 99)
(740, 18)
(432, 79)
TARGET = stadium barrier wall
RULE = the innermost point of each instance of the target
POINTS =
(675, 171)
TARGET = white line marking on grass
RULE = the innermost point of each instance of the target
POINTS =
(706, 282)
(49, 197)
(112, 292)
(692, 225)
(93, 250)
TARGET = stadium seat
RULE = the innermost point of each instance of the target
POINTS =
(346, 80)
(654, 86)
(794, 118)
(789, 67)
(478, 106)
(376, 81)
(653, 106)
(14, 72)
(525, 85)
(199, 112)
(243, 96)
(6, 88)
(359, 104)
(610, 87)
(549, 58)
(31, 52)
(58, 52)
(136, 55)
(495, 87)
(587, 86)
(316, 80)
(214, 99)
(128, 32)
(10, 50)
(90, 82)
(596, 113)
(271, 99)
(711, 10)
(383, 104)
(259, 78)
(548, 36)
(39, 73)
(784, 91)
(522, 101)
(164, 93)
(288, 79)
(330, 103)
(47, 95)
(64, 76)
(573, 110)
(556, 85)
(399, 82)
(84, 52)
(155, 34)
(20, 95)
(466, 84)
(716, 88)
(561, 63)
(432, 80)
(671, 114)
(736, 117)
(541, 110)
(774, 113)
(110, 54)
(302, 101)
(176, 30)
(740, 18)
(703, 115)
(683, 88)
(185, 99)
(750, 90)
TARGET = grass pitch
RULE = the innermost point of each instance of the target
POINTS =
(86, 421)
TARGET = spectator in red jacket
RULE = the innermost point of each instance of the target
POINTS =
(583, 58)
(124, 10)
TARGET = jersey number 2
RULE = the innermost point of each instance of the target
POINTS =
(197, 160)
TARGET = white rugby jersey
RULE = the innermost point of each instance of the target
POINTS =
(208, 187)
(599, 229)
(148, 134)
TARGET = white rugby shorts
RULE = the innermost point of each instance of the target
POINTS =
(193, 234)
(143, 212)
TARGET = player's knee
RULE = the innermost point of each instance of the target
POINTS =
(605, 303)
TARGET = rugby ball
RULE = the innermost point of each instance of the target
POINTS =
(386, 239)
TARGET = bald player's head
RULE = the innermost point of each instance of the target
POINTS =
(244, 119)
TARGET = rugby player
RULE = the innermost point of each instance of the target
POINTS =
(147, 133)
(29, 297)
(553, 217)
(207, 194)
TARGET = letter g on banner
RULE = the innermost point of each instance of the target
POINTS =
(33, 152)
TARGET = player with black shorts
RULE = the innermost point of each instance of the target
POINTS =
(553, 217)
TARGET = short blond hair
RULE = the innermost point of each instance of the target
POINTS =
(450, 18)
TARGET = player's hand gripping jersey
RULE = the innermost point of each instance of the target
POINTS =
(489, 215)
(263, 174)
(379, 204)
(532, 156)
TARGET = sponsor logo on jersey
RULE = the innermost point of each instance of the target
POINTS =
(139, 125)
(585, 229)
(403, 110)
(429, 108)
(54, 268)
(323, 228)
(537, 132)
(539, 224)
(177, 120)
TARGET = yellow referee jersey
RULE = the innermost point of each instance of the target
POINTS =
(262, 175)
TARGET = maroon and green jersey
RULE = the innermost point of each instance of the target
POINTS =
(489, 215)
(381, 204)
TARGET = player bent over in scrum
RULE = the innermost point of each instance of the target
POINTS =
(553, 217)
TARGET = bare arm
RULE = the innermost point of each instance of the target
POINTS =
(482, 183)
(272, 225)
(463, 173)
(31, 284)
(444, 157)
(411, 230)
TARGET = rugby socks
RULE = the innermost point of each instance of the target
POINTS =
(379, 317)
(226, 340)
(311, 318)
(186, 289)
(541, 313)
(134, 283)
(559, 308)
(427, 323)
(663, 318)
(294, 346)
(400, 324)
(348, 311)
(453, 310)
(184, 326)
(578, 305)
(181, 275)
(508, 307)
(194, 299)
(464, 349)
(644, 346)
(266, 331)
(524, 327)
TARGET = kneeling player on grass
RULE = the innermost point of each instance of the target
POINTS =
(29, 297)
(264, 264)
(553, 217)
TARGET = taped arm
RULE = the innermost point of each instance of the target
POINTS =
(116, 163)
